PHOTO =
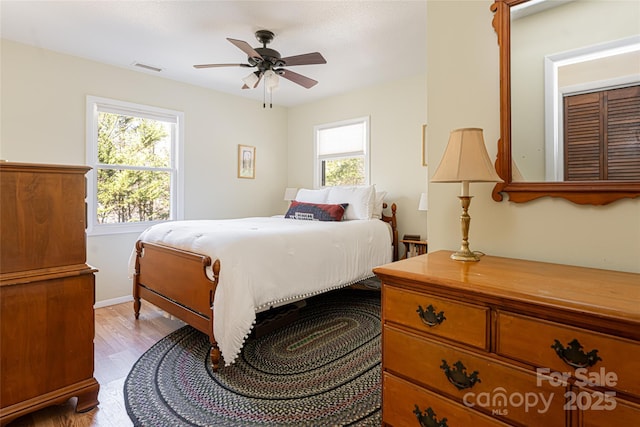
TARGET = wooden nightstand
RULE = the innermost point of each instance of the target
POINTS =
(414, 247)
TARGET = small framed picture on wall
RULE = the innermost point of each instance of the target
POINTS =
(246, 161)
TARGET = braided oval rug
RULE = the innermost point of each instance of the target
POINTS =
(323, 369)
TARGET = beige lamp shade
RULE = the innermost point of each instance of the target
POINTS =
(466, 159)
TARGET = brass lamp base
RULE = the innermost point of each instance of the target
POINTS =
(465, 254)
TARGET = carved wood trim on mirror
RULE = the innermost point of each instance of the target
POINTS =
(582, 192)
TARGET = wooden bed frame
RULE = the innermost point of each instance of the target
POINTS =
(159, 268)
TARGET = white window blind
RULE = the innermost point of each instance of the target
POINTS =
(346, 139)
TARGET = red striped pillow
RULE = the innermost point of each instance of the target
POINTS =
(316, 211)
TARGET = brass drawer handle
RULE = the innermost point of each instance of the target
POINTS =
(574, 356)
(430, 317)
(428, 419)
(458, 376)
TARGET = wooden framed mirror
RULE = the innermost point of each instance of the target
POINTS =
(523, 182)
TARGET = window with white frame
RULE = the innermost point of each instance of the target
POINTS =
(135, 155)
(342, 153)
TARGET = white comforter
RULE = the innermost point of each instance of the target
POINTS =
(269, 260)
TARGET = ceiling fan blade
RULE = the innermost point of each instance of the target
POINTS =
(220, 65)
(305, 59)
(297, 78)
(246, 48)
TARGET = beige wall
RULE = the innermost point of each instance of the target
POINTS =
(463, 91)
(49, 89)
(43, 121)
(397, 112)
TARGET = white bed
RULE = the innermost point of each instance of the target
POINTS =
(260, 263)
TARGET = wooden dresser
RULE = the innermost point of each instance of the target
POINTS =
(508, 342)
(47, 290)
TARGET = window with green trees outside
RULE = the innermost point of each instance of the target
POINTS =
(133, 155)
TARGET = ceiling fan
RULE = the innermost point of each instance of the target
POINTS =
(270, 64)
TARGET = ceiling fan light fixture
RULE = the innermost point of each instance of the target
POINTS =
(251, 79)
(271, 80)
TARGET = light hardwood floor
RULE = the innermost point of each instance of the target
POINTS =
(119, 341)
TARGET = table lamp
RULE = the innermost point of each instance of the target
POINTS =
(465, 160)
(423, 204)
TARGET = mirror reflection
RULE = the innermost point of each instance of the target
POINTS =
(575, 91)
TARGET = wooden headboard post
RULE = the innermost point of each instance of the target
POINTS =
(392, 220)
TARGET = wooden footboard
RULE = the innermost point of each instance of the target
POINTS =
(176, 281)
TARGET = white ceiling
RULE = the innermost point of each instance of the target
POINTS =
(364, 42)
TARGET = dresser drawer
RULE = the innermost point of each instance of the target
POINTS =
(445, 318)
(403, 402)
(512, 393)
(595, 411)
(39, 354)
(42, 217)
(616, 364)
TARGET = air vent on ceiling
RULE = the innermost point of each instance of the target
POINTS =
(147, 67)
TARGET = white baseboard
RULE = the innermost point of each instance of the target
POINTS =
(113, 301)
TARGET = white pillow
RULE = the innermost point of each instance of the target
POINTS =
(360, 199)
(377, 204)
(312, 196)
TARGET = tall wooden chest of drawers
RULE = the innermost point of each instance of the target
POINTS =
(508, 342)
(47, 290)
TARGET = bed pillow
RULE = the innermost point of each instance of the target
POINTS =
(316, 211)
(359, 198)
(312, 196)
(377, 204)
